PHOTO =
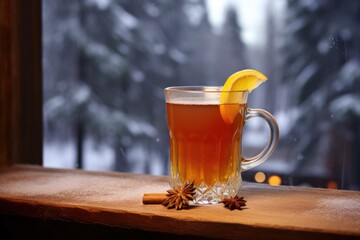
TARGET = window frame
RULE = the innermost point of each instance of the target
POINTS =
(20, 82)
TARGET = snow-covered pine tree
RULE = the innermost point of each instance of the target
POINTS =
(322, 60)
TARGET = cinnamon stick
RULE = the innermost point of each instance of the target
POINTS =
(154, 198)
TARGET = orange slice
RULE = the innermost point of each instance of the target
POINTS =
(231, 96)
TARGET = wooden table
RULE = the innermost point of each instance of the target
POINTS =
(114, 200)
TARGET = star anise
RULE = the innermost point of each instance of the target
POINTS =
(180, 197)
(234, 202)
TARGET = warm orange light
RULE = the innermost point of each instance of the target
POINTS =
(260, 177)
(332, 185)
(274, 180)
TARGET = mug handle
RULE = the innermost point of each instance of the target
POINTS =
(248, 163)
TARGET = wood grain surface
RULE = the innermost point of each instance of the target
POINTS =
(115, 199)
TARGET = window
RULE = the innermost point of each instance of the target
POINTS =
(106, 63)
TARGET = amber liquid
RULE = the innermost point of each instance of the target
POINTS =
(203, 148)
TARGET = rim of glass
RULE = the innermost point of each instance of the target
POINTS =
(200, 89)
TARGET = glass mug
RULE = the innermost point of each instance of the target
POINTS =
(205, 146)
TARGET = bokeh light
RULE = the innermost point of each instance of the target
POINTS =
(274, 180)
(332, 185)
(260, 177)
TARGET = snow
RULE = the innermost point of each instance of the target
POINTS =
(53, 105)
(275, 165)
(151, 9)
(123, 33)
(140, 127)
(310, 4)
(349, 74)
(253, 24)
(195, 13)
(58, 155)
(157, 164)
(101, 4)
(351, 69)
(112, 120)
(62, 155)
(286, 120)
(137, 75)
(256, 133)
(139, 157)
(323, 46)
(98, 157)
(255, 139)
(306, 74)
(82, 95)
(125, 18)
(346, 103)
(125, 23)
(109, 61)
(159, 49)
(177, 55)
(296, 25)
